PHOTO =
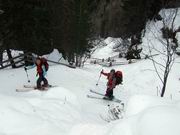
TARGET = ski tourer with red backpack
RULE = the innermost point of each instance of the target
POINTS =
(114, 78)
(42, 67)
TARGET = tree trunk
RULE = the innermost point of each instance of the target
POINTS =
(77, 61)
(10, 58)
(164, 87)
(28, 59)
(166, 72)
(1, 58)
(71, 57)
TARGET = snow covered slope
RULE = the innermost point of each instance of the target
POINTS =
(107, 50)
(65, 110)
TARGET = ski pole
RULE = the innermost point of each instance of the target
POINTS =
(27, 76)
(98, 79)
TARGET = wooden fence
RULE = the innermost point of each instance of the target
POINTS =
(111, 61)
(19, 61)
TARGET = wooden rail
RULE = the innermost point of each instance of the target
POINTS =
(17, 60)
(28, 58)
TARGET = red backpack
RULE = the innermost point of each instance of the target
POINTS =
(119, 77)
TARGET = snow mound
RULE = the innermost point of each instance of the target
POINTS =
(160, 120)
(139, 103)
(46, 113)
(147, 115)
(88, 129)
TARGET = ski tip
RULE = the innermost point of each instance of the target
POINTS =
(52, 86)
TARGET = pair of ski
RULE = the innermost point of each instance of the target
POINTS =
(102, 97)
(27, 88)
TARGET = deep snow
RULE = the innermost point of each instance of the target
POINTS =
(65, 110)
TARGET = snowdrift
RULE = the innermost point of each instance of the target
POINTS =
(145, 115)
(152, 116)
(47, 113)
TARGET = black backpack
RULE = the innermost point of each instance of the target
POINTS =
(119, 77)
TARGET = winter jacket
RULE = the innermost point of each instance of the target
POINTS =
(40, 69)
(111, 80)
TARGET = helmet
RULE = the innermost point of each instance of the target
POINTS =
(112, 71)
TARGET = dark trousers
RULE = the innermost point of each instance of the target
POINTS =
(41, 79)
(109, 93)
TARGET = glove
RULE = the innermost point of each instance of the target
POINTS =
(25, 68)
(102, 71)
